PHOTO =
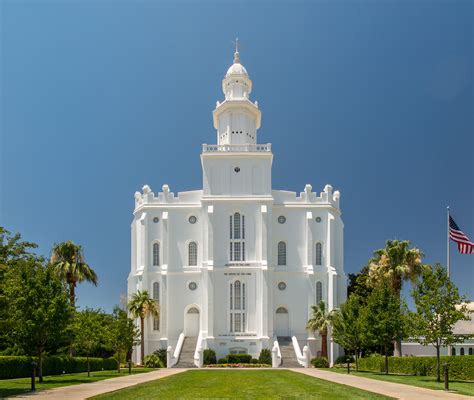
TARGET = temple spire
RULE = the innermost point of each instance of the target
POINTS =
(236, 54)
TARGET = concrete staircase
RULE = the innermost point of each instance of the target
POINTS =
(288, 356)
(186, 358)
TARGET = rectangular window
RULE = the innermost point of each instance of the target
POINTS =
(231, 297)
(156, 324)
(237, 325)
(243, 251)
(231, 252)
(243, 296)
(243, 227)
(243, 322)
(231, 322)
(236, 227)
(230, 226)
(237, 253)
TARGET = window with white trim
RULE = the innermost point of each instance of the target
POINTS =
(319, 292)
(281, 253)
(319, 254)
(237, 237)
(156, 297)
(237, 300)
(192, 253)
(156, 254)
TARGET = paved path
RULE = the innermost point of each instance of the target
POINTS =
(86, 390)
(396, 390)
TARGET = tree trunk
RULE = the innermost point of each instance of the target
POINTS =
(386, 360)
(72, 300)
(438, 366)
(142, 336)
(88, 367)
(118, 363)
(40, 365)
(324, 345)
(357, 360)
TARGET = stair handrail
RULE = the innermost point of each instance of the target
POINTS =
(302, 357)
(173, 357)
(276, 353)
(199, 352)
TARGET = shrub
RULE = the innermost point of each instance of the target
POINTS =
(320, 362)
(345, 359)
(460, 367)
(255, 361)
(265, 356)
(152, 361)
(222, 360)
(162, 355)
(209, 357)
(239, 358)
(20, 366)
(239, 365)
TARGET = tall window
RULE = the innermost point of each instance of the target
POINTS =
(462, 351)
(156, 254)
(319, 254)
(237, 301)
(192, 254)
(319, 292)
(237, 237)
(281, 253)
(156, 297)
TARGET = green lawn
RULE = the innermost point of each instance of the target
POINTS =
(429, 382)
(243, 384)
(10, 387)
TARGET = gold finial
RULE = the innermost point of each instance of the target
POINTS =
(236, 54)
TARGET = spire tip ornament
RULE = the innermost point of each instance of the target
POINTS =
(236, 53)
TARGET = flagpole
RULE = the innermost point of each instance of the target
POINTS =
(447, 245)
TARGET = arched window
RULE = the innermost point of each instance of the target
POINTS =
(156, 254)
(281, 253)
(470, 351)
(319, 292)
(319, 254)
(237, 301)
(237, 237)
(192, 254)
(462, 351)
(281, 310)
(156, 297)
(453, 351)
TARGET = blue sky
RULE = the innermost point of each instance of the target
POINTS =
(100, 97)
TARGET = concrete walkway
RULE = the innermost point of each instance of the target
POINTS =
(86, 390)
(395, 390)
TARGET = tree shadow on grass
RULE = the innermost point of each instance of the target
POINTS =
(12, 392)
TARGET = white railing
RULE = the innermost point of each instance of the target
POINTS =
(199, 352)
(304, 358)
(276, 354)
(239, 148)
(173, 357)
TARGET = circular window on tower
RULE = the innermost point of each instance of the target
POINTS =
(318, 219)
(192, 285)
(156, 220)
(281, 219)
(282, 286)
(237, 169)
(192, 219)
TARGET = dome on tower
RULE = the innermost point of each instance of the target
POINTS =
(236, 68)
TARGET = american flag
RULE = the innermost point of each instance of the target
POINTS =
(465, 246)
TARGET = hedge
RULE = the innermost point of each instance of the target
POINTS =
(460, 367)
(20, 366)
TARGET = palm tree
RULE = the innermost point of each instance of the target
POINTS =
(320, 321)
(141, 306)
(396, 262)
(68, 260)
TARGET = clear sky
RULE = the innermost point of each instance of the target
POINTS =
(99, 98)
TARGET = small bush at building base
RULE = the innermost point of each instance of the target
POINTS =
(320, 362)
(222, 360)
(345, 359)
(239, 358)
(153, 361)
(265, 356)
(209, 357)
(162, 355)
(255, 361)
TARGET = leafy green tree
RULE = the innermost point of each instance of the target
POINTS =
(38, 308)
(320, 321)
(123, 334)
(90, 332)
(141, 305)
(395, 263)
(438, 307)
(347, 329)
(382, 320)
(68, 260)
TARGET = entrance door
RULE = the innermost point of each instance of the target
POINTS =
(282, 322)
(191, 322)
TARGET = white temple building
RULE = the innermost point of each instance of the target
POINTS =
(236, 266)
